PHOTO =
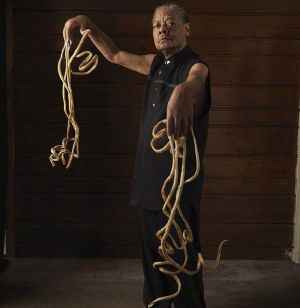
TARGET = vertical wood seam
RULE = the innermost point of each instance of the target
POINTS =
(295, 256)
(10, 232)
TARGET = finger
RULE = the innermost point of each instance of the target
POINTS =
(68, 33)
(190, 123)
(67, 37)
(82, 29)
(170, 125)
(184, 128)
(177, 123)
(65, 33)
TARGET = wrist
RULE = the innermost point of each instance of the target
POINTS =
(180, 90)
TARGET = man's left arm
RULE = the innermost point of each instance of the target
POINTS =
(186, 101)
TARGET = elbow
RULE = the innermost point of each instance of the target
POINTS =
(113, 57)
(111, 54)
(110, 57)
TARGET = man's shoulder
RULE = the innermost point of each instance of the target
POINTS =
(193, 56)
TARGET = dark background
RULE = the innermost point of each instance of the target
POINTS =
(3, 130)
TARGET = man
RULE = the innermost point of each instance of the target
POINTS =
(178, 89)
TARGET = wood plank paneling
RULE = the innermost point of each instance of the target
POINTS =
(101, 207)
(108, 251)
(194, 7)
(222, 46)
(255, 70)
(130, 95)
(102, 139)
(252, 48)
(72, 233)
(204, 25)
(122, 165)
(110, 115)
(212, 186)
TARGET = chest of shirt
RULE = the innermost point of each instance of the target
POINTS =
(162, 82)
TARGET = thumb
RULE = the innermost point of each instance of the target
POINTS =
(82, 28)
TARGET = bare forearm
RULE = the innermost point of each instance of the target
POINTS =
(192, 92)
(103, 42)
(137, 63)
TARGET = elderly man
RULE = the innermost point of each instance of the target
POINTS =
(178, 89)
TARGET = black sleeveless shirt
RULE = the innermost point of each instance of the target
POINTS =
(151, 169)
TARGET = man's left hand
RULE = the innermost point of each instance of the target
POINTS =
(186, 100)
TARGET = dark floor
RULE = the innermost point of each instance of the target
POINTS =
(111, 283)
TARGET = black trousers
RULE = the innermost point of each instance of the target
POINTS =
(156, 283)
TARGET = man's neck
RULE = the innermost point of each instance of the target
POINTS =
(168, 53)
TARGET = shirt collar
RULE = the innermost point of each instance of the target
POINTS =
(177, 57)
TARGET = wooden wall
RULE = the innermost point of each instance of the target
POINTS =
(252, 48)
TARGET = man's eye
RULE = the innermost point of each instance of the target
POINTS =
(156, 26)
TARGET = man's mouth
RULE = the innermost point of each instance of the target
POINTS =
(165, 39)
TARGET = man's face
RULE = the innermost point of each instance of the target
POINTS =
(169, 31)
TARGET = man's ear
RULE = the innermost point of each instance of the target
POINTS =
(187, 28)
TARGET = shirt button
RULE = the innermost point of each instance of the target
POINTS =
(153, 105)
(156, 88)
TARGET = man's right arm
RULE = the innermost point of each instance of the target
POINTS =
(137, 63)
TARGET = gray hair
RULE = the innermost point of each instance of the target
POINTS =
(173, 6)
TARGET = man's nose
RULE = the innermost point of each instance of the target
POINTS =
(163, 29)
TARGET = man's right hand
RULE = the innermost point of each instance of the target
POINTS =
(80, 21)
